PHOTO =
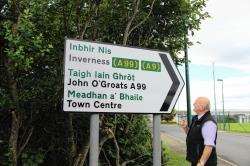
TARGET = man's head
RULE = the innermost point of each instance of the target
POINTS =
(201, 105)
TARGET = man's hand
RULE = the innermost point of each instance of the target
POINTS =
(200, 164)
(184, 125)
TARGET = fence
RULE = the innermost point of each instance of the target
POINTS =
(233, 122)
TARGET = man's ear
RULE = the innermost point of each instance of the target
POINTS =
(207, 107)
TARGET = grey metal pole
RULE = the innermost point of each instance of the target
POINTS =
(156, 140)
(94, 139)
(187, 85)
(222, 93)
(215, 109)
(223, 106)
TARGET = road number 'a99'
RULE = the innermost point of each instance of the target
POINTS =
(138, 86)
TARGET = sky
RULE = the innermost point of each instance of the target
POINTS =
(225, 41)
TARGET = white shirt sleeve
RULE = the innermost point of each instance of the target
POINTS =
(208, 131)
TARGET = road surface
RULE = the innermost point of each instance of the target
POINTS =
(234, 148)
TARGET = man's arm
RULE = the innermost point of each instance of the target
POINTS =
(209, 130)
(205, 155)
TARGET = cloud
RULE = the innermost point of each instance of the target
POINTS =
(236, 93)
(225, 40)
(225, 37)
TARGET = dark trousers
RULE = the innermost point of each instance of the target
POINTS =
(193, 164)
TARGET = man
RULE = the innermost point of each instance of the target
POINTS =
(201, 135)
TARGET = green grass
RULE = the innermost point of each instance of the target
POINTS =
(168, 122)
(236, 127)
(171, 158)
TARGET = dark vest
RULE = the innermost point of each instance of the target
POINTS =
(195, 141)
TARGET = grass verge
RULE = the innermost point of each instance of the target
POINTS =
(236, 127)
(171, 158)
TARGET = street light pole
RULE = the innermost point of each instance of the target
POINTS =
(222, 93)
(215, 109)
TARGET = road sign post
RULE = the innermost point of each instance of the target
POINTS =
(108, 78)
(156, 140)
(94, 139)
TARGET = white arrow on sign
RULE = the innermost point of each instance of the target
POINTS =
(109, 78)
(176, 86)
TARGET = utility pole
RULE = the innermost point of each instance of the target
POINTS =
(187, 81)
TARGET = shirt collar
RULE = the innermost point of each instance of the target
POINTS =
(199, 116)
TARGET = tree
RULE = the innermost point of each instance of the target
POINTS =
(169, 117)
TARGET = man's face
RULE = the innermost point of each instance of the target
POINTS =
(199, 107)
